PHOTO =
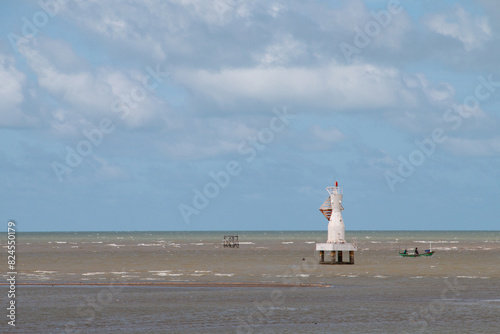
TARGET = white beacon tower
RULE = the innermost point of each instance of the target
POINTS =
(332, 209)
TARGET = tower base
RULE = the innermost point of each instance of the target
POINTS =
(336, 252)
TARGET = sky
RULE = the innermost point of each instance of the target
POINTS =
(230, 115)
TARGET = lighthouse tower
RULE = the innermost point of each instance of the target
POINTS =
(332, 209)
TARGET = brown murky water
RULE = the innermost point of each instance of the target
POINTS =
(455, 291)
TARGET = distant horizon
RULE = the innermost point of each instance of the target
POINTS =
(194, 231)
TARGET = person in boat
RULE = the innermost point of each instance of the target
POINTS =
(416, 250)
(405, 252)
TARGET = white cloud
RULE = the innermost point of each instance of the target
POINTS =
(196, 139)
(437, 94)
(138, 28)
(318, 138)
(330, 135)
(432, 102)
(393, 36)
(105, 170)
(473, 32)
(474, 147)
(60, 54)
(80, 88)
(282, 52)
(218, 12)
(63, 123)
(12, 82)
(332, 86)
(86, 95)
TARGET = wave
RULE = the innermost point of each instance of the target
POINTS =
(437, 242)
(94, 273)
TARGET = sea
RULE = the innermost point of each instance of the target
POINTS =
(187, 282)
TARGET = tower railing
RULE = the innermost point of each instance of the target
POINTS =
(335, 190)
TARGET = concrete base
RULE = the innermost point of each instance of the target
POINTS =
(336, 252)
(335, 257)
(336, 247)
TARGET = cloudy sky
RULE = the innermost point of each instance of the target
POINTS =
(235, 115)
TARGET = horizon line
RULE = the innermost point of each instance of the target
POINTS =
(128, 231)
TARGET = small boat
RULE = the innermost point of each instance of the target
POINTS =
(428, 252)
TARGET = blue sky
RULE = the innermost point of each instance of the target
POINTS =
(235, 115)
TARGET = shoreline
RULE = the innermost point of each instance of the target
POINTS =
(183, 284)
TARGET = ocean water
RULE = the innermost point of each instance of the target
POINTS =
(457, 290)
